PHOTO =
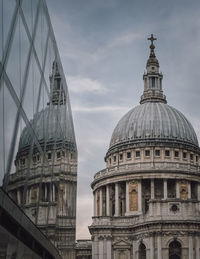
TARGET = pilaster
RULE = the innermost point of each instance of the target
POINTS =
(107, 200)
(165, 189)
(101, 201)
(116, 199)
(152, 189)
(159, 247)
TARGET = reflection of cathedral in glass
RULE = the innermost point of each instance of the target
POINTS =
(44, 184)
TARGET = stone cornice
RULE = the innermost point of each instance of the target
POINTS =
(142, 170)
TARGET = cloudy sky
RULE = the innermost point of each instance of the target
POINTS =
(103, 47)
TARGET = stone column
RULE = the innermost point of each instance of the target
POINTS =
(139, 196)
(134, 250)
(116, 199)
(95, 248)
(197, 247)
(95, 203)
(191, 254)
(152, 247)
(54, 197)
(152, 189)
(18, 197)
(127, 198)
(107, 200)
(177, 190)
(27, 195)
(159, 247)
(101, 201)
(165, 189)
(109, 248)
(198, 191)
(45, 192)
(101, 248)
(189, 190)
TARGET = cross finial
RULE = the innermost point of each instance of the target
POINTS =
(152, 39)
(152, 47)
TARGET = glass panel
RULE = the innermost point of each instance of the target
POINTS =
(49, 61)
(32, 89)
(29, 8)
(41, 35)
(2, 132)
(10, 111)
(7, 7)
(17, 62)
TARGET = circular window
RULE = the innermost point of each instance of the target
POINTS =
(174, 208)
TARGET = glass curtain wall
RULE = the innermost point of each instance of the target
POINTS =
(38, 154)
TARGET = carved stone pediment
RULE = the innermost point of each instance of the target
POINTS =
(122, 244)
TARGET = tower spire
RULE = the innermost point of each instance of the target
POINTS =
(57, 93)
(152, 78)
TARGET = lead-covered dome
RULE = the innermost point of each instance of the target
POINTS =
(51, 125)
(155, 121)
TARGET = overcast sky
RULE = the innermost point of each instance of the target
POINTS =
(103, 47)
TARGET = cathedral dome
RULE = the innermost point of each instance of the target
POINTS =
(154, 121)
(50, 126)
(53, 125)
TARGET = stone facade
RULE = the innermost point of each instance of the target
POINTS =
(83, 249)
(147, 200)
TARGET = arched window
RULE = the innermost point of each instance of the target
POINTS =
(142, 251)
(175, 250)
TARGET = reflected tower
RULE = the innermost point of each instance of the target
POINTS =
(45, 182)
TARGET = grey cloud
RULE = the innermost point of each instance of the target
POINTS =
(106, 41)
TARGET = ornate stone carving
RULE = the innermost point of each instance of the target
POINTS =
(133, 196)
(183, 185)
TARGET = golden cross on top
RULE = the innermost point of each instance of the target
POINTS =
(152, 39)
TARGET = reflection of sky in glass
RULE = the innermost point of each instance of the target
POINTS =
(28, 73)
(5, 15)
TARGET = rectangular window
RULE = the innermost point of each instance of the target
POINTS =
(128, 154)
(196, 158)
(114, 158)
(22, 161)
(120, 156)
(137, 153)
(58, 154)
(157, 152)
(34, 159)
(184, 155)
(193, 190)
(167, 152)
(176, 153)
(147, 152)
(171, 188)
(49, 155)
(191, 156)
(38, 157)
(158, 186)
(153, 82)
